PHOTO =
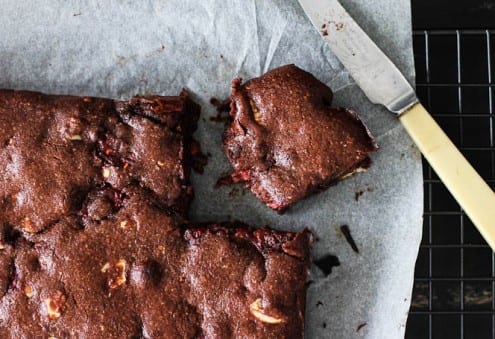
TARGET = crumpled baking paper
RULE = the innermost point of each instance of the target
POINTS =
(121, 48)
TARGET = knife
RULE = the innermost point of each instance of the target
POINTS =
(384, 84)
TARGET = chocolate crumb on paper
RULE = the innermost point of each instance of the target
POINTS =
(347, 234)
(360, 326)
(359, 192)
(222, 107)
(327, 263)
(199, 160)
(324, 30)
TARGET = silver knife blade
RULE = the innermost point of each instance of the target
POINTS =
(372, 70)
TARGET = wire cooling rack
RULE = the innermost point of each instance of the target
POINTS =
(454, 285)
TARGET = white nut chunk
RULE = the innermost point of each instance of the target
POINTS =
(105, 267)
(255, 110)
(105, 172)
(28, 291)
(118, 271)
(28, 225)
(258, 312)
(75, 137)
(54, 305)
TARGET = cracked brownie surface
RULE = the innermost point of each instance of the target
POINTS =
(286, 140)
(95, 239)
(140, 275)
(57, 149)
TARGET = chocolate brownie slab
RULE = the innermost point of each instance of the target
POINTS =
(138, 275)
(94, 237)
(54, 150)
(286, 140)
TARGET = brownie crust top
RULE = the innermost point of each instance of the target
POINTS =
(95, 240)
(55, 150)
(141, 275)
(286, 139)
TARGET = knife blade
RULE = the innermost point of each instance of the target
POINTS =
(372, 70)
(384, 84)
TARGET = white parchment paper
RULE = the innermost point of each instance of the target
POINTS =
(121, 48)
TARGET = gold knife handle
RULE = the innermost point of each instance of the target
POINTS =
(464, 183)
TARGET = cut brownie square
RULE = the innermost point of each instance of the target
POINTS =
(285, 139)
(138, 275)
(55, 150)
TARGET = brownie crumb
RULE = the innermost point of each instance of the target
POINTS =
(222, 106)
(326, 263)
(319, 304)
(359, 192)
(324, 325)
(360, 326)
(347, 234)
(199, 160)
(225, 180)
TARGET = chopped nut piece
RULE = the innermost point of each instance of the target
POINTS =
(256, 309)
(257, 116)
(28, 291)
(120, 279)
(87, 99)
(357, 170)
(105, 172)
(76, 137)
(255, 110)
(105, 267)
(54, 305)
(28, 225)
(2, 246)
(123, 224)
(160, 163)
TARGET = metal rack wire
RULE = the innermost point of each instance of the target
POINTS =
(454, 285)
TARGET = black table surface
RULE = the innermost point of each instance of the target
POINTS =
(454, 50)
(453, 14)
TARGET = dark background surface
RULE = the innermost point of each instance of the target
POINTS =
(454, 288)
(453, 14)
